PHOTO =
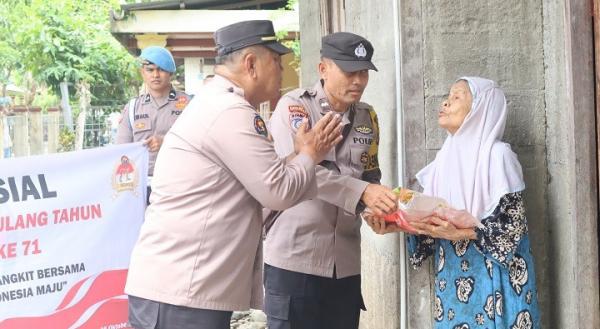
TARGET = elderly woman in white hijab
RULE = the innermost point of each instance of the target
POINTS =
(484, 275)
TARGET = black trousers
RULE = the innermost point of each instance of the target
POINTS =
(296, 300)
(148, 314)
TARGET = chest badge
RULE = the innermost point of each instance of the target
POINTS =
(260, 126)
(365, 130)
(140, 125)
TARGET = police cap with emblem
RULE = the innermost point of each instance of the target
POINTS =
(349, 51)
(245, 34)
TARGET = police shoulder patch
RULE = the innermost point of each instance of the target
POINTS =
(260, 126)
(297, 108)
(181, 102)
(297, 113)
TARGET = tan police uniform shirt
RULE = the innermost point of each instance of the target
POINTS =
(200, 245)
(151, 117)
(317, 234)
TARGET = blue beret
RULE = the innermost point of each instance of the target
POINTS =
(160, 57)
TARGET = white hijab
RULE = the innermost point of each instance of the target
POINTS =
(474, 169)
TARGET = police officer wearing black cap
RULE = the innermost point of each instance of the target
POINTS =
(312, 250)
(198, 257)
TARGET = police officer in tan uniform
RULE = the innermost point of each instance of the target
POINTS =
(198, 256)
(148, 117)
(312, 250)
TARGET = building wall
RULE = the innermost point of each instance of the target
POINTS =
(502, 41)
(381, 266)
(290, 80)
(539, 53)
(497, 40)
(380, 254)
(310, 41)
(571, 159)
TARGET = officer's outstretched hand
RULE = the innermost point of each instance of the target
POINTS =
(380, 199)
(378, 224)
(317, 142)
(153, 143)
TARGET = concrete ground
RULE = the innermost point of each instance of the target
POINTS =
(251, 319)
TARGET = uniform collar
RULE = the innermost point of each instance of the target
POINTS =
(321, 97)
(171, 97)
(323, 106)
(222, 82)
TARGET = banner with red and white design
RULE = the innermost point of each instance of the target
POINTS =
(68, 223)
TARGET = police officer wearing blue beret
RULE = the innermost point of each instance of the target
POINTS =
(148, 117)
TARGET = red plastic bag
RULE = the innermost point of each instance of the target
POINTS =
(399, 218)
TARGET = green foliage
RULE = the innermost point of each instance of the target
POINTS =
(45, 99)
(9, 51)
(66, 140)
(68, 41)
(291, 4)
(294, 45)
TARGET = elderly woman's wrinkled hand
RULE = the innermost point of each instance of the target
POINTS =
(441, 229)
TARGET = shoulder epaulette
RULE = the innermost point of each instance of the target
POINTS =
(131, 110)
(297, 93)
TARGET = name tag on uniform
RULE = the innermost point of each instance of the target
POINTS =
(362, 140)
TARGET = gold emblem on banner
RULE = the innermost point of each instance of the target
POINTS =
(125, 176)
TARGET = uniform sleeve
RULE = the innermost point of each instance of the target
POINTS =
(503, 230)
(340, 190)
(239, 140)
(372, 173)
(125, 130)
(281, 129)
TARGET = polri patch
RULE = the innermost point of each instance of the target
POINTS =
(181, 103)
(369, 160)
(364, 158)
(363, 129)
(297, 114)
(260, 126)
